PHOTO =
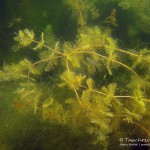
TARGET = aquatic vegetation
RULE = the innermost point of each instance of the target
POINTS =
(71, 95)
(89, 85)
(111, 20)
(82, 10)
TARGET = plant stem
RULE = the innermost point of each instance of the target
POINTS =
(143, 128)
(115, 61)
(45, 60)
(49, 48)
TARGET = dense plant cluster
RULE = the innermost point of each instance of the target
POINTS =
(90, 85)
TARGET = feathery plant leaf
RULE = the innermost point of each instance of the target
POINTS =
(90, 83)
(18, 71)
(41, 43)
(25, 37)
(83, 9)
(131, 116)
(72, 80)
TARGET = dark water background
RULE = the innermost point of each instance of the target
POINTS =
(27, 132)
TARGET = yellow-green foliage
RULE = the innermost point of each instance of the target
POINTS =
(25, 37)
(66, 85)
(82, 9)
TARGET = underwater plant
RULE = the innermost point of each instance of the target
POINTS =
(90, 85)
(83, 10)
(62, 86)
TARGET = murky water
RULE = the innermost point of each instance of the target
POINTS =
(123, 23)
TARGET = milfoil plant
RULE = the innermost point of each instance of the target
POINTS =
(90, 85)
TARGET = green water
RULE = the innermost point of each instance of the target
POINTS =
(97, 91)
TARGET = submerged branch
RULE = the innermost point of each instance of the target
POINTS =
(143, 128)
(78, 97)
(45, 60)
(115, 61)
(115, 96)
(132, 54)
(49, 48)
(118, 49)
